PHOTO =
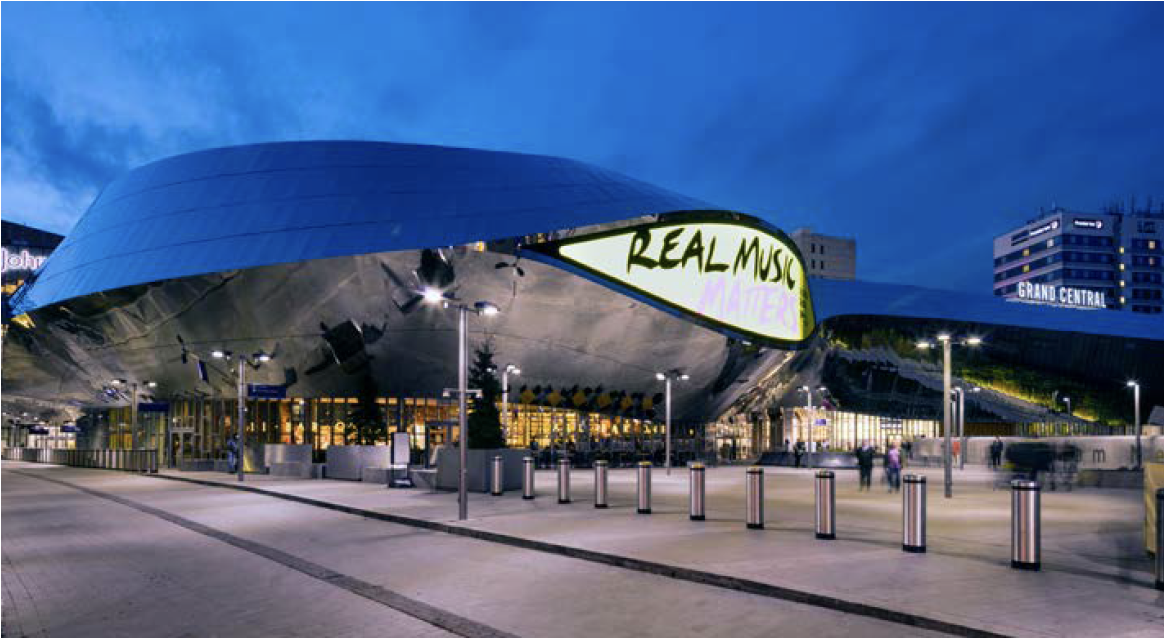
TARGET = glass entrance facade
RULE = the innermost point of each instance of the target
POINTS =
(200, 428)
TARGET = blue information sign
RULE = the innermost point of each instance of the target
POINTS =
(260, 391)
(153, 407)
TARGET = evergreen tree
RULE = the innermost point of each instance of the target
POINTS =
(484, 421)
(366, 422)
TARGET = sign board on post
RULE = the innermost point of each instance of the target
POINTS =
(153, 407)
(260, 391)
(400, 448)
(733, 274)
(399, 461)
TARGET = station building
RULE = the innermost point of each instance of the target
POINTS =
(1110, 260)
(321, 255)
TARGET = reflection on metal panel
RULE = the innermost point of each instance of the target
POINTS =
(248, 206)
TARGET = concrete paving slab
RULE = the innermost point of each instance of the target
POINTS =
(1091, 543)
(514, 590)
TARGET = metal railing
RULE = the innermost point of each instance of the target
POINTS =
(143, 461)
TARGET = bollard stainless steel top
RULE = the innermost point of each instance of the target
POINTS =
(1026, 531)
(915, 513)
(755, 498)
(824, 505)
(601, 484)
(696, 492)
(564, 481)
(644, 487)
(527, 478)
(496, 476)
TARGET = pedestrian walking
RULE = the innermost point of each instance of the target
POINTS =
(894, 463)
(799, 451)
(997, 451)
(233, 453)
(865, 454)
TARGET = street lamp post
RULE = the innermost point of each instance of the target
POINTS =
(668, 378)
(810, 408)
(241, 393)
(506, 372)
(1137, 422)
(945, 339)
(434, 296)
(242, 404)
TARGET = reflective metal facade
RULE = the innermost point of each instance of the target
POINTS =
(248, 206)
(314, 251)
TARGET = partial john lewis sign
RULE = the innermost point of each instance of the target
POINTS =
(738, 276)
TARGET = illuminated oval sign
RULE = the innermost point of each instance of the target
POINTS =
(742, 278)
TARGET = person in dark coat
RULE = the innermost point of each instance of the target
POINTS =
(799, 452)
(865, 454)
(997, 451)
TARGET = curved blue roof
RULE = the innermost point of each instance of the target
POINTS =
(864, 298)
(248, 206)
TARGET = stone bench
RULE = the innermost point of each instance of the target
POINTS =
(379, 475)
(292, 469)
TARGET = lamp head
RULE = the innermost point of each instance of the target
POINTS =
(151, 384)
(684, 377)
(486, 308)
(432, 295)
(218, 354)
(923, 345)
(973, 341)
(1131, 384)
(262, 357)
(943, 336)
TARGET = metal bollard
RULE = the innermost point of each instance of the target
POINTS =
(601, 484)
(755, 498)
(143, 461)
(1158, 554)
(824, 505)
(154, 462)
(496, 476)
(1026, 525)
(915, 513)
(527, 478)
(696, 492)
(644, 487)
(564, 481)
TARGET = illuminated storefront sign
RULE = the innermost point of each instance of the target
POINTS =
(741, 277)
(1095, 224)
(1059, 295)
(12, 261)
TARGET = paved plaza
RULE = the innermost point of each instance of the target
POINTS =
(170, 557)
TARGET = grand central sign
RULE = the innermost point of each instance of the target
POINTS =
(743, 278)
(1060, 295)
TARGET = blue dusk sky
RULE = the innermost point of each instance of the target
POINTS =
(920, 130)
